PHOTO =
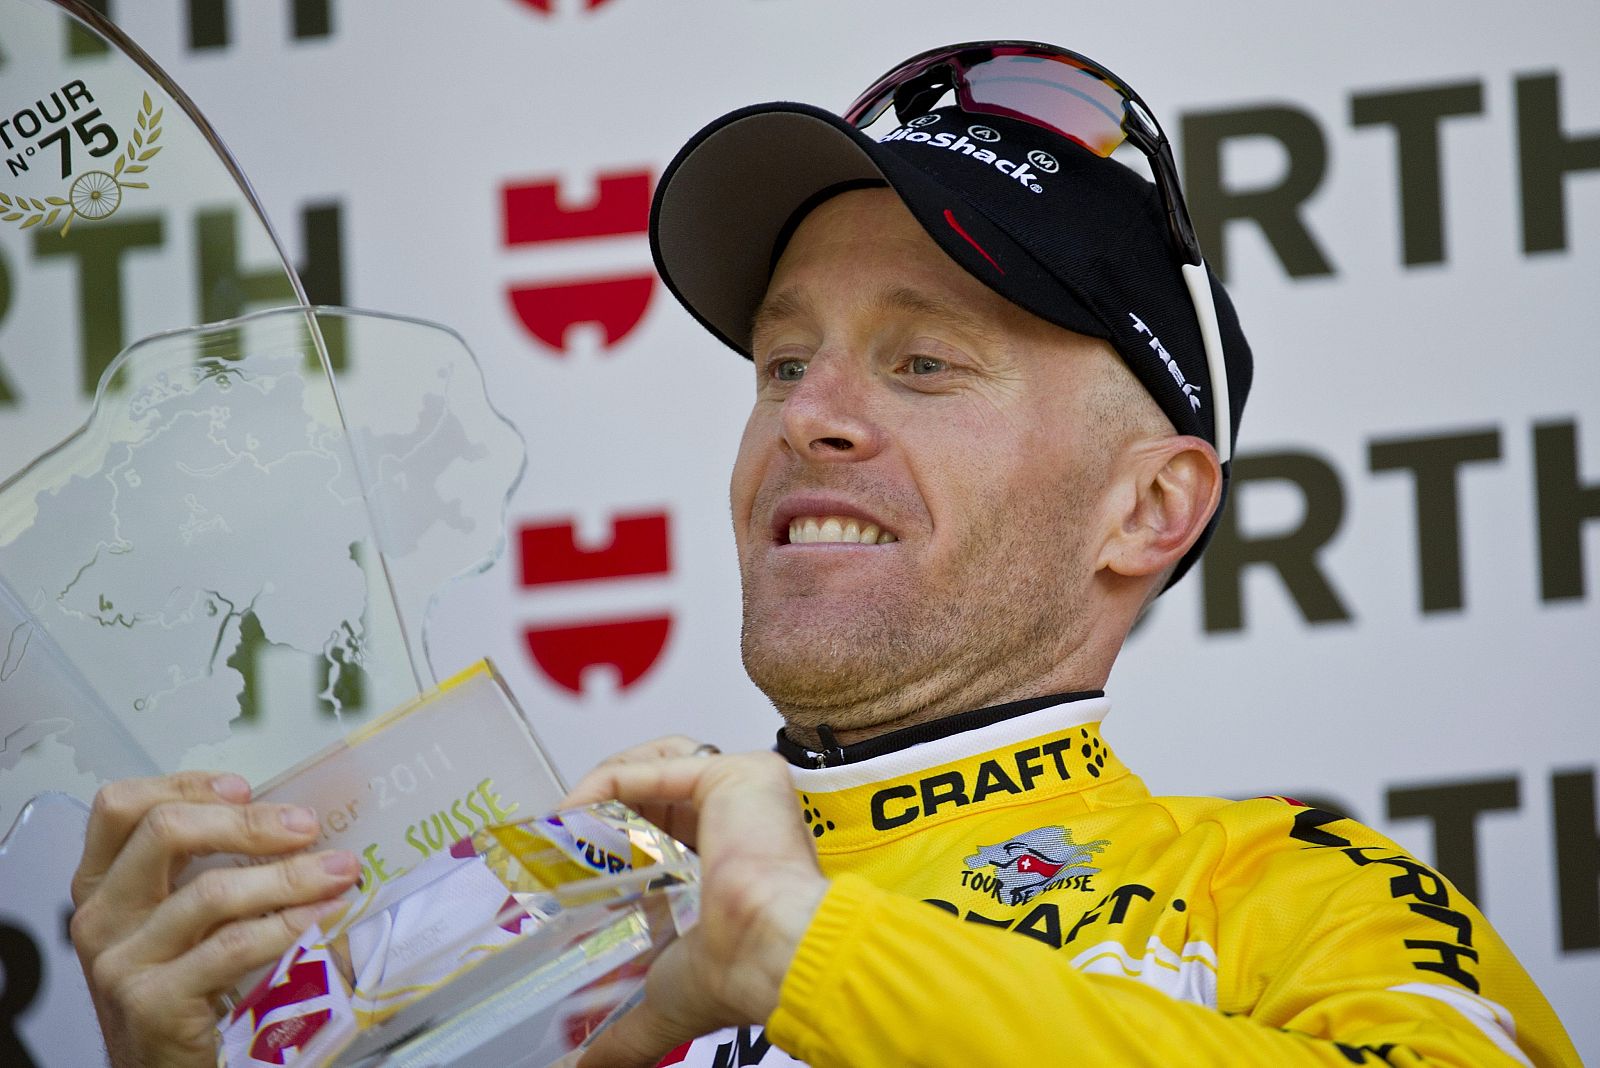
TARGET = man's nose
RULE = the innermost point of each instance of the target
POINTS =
(827, 416)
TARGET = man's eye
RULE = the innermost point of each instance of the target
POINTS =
(926, 365)
(789, 370)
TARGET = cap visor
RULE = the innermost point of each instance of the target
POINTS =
(725, 200)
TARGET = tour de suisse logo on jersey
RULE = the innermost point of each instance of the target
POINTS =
(1023, 867)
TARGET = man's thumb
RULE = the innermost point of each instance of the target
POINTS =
(638, 1039)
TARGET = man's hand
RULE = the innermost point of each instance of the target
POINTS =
(677, 818)
(759, 887)
(157, 959)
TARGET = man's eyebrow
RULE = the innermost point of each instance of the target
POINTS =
(775, 310)
(907, 299)
(781, 307)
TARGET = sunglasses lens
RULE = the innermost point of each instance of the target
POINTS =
(867, 108)
(1072, 99)
(1053, 92)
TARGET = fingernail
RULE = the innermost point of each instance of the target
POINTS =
(231, 787)
(341, 864)
(306, 915)
(330, 908)
(300, 820)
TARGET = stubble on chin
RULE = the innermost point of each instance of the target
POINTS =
(874, 667)
(841, 674)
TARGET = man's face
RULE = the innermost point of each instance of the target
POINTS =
(897, 395)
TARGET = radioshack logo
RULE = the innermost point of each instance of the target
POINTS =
(1032, 864)
(964, 144)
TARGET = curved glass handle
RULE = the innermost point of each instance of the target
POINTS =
(122, 214)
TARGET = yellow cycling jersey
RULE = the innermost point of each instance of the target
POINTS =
(1013, 894)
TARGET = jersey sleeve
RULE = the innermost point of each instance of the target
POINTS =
(1355, 931)
(1323, 979)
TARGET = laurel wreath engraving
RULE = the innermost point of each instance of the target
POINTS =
(93, 194)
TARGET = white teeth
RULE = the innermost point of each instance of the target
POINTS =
(811, 529)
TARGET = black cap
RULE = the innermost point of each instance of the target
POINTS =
(1077, 239)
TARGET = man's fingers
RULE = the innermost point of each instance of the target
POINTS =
(236, 949)
(172, 832)
(676, 789)
(141, 876)
(673, 745)
(639, 1039)
(222, 895)
(120, 806)
(645, 1033)
(675, 779)
(669, 746)
(680, 819)
(665, 780)
(165, 1010)
(760, 887)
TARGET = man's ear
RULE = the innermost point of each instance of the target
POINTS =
(1165, 494)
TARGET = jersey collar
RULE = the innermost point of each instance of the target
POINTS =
(894, 741)
(1050, 752)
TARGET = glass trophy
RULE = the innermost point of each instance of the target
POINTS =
(218, 548)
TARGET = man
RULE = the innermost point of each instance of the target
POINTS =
(996, 393)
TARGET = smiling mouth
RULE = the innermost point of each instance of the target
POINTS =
(825, 529)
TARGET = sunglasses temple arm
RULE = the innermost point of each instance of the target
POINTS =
(1198, 279)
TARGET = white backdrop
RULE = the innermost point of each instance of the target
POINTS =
(489, 161)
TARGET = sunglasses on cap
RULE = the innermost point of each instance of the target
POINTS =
(1077, 98)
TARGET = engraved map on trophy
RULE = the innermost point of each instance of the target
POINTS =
(228, 495)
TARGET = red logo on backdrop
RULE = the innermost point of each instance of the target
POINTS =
(535, 215)
(549, 555)
(638, 546)
(546, 7)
